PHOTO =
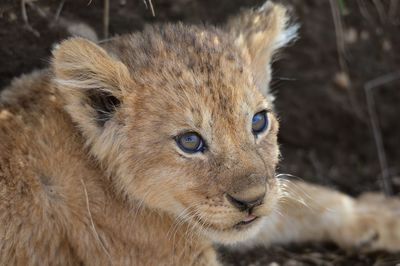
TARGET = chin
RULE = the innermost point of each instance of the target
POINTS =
(236, 234)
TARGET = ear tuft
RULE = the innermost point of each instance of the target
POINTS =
(81, 64)
(260, 33)
(279, 22)
(92, 83)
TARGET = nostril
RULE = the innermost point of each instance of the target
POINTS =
(256, 202)
(241, 205)
(245, 204)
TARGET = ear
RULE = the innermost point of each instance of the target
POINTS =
(260, 33)
(92, 83)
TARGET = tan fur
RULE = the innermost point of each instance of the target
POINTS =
(90, 172)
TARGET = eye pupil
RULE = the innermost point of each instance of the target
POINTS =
(256, 118)
(190, 142)
(190, 139)
(260, 122)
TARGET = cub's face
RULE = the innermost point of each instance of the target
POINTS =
(202, 140)
(181, 118)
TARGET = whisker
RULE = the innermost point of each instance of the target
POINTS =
(96, 234)
(291, 190)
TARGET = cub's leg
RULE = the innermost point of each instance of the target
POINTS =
(313, 213)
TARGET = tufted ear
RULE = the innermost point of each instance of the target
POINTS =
(260, 33)
(92, 83)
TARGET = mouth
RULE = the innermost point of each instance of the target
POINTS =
(246, 222)
(246, 228)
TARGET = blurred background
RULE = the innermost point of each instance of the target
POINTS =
(337, 88)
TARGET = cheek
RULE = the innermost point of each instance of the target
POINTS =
(269, 150)
(195, 187)
(269, 145)
(167, 183)
(157, 189)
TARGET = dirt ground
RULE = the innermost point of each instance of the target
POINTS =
(326, 134)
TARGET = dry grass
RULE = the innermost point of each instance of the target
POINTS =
(377, 134)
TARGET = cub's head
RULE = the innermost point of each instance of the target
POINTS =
(181, 119)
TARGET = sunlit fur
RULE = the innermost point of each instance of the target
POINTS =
(90, 172)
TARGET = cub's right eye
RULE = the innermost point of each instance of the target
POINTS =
(190, 142)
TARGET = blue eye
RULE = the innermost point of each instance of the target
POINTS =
(259, 122)
(190, 142)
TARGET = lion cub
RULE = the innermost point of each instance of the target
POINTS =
(151, 147)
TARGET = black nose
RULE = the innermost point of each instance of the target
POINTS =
(243, 205)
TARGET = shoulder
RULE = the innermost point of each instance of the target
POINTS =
(41, 154)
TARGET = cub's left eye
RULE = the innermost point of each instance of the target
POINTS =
(190, 142)
(260, 122)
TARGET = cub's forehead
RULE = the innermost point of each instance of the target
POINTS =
(190, 65)
(192, 46)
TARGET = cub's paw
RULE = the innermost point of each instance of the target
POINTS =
(376, 223)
